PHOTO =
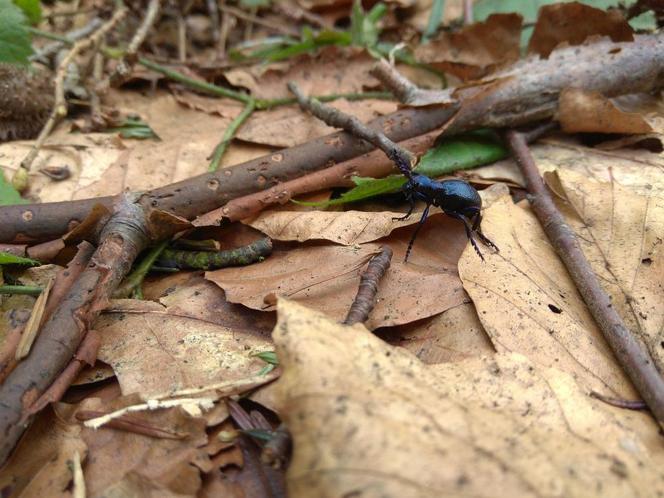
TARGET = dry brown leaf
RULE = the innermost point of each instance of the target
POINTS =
(475, 50)
(103, 164)
(154, 352)
(584, 111)
(574, 22)
(621, 235)
(41, 464)
(528, 304)
(326, 277)
(371, 420)
(454, 335)
(342, 227)
(332, 70)
(289, 126)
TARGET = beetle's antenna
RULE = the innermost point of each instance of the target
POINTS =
(403, 159)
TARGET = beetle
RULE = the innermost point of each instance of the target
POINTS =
(457, 199)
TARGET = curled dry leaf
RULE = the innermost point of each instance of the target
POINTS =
(326, 277)
(372, 420)
(528, 304)
(573, 23)
(154, 352)
(621, 233)
(585, 111)
(342, 227)
(475, 50)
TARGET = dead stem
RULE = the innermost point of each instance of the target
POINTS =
(365, 300)
(633, 358)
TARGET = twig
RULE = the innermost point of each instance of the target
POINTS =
(134, 280)
(365, 299)
(400, 86)
(226, 23)
(213, 14)
(404, 160)
(229, 133)
(253, 19)
(67, 39)
(182, 37)
(208, 260)
(126, 63)
(60, 105)
(467, 12)
(636, 362)
(619, 403)
(95, 87)
(21, 290)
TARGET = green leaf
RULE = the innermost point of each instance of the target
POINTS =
(529, 8)
(15, 44)
(364, 30)
(9, 196)
(435, 18)
(32, 10)
(268, 357)
(134, 128)
(7, 258)
(457, 153)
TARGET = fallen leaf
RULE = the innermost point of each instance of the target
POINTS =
(326, 277)
(584, 111)
(573, 23)
(620, 233)
(154, 352)
(528, 304)
(371, 420)
(332, 70)
(454, 335)
(342, 227)
(41, 464)
(475, 50)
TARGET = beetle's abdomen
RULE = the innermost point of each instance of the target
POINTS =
(459, 196)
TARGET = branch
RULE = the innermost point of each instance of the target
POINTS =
(526, 93)
(636, 362)
(124, 236)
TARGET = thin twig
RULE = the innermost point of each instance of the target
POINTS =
(182, 37)
(467, 12)
(404, 160)
(60, 105)
(619, 403)
(213, 14)
(22, 290)
(126, 63)
(253, 19)
(636, 362)
(68, 39)
(229, 133)
(365, 300)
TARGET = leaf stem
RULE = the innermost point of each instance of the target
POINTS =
(134, 280)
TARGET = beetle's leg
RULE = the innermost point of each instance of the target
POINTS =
(469, 231)
(425, 213)
(477, 228)
(409, 196)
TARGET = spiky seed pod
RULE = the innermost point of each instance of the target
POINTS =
(26, 99)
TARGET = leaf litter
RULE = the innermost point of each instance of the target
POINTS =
(492, 393)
